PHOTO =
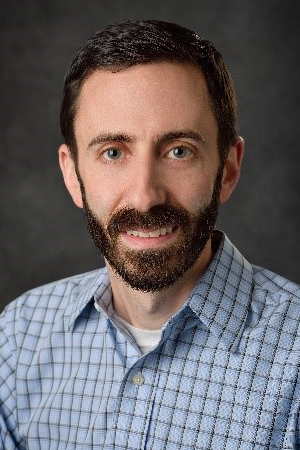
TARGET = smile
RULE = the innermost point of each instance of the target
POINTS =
(151, 234)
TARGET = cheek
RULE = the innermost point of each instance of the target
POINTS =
(194, 192)
(103, 194)
(101, 202)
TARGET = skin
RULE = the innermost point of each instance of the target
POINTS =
(144, 103)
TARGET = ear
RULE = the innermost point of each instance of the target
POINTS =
(232, 169)
(67, 165)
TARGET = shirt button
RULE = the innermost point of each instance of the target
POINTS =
(138, 379)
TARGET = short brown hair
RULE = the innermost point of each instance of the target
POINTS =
(122, 45)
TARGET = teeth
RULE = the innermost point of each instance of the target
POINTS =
(142, 234)
(154, 233)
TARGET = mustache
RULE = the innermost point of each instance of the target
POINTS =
(159, 216)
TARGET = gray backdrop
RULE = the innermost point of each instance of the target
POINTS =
(43, 235)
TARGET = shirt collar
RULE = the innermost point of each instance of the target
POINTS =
(97, 283)
(221, 298)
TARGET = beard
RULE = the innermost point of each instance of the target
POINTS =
(154, 270)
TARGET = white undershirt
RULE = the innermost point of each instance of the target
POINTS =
(145, 339)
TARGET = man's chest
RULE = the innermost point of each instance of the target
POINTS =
(189, 393)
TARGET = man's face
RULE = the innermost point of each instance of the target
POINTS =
(148, 167)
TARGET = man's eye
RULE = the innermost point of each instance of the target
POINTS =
(179, 153)
(112, 154)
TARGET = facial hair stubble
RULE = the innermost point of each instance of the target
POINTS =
(153, 270)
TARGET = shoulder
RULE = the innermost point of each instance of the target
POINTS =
(39, 308)
(56, 294)
(275, 302)
(273, 283)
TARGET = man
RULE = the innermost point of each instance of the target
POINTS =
(179, 343)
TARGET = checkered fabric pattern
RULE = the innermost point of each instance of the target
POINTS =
(225, 374)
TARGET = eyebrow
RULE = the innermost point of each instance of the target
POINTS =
(181, 134)
(160, 139)
(110, 137)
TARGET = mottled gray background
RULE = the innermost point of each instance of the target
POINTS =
(43, 235)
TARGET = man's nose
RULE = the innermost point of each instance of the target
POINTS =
(147, 187)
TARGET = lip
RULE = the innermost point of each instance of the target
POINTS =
(142, 243)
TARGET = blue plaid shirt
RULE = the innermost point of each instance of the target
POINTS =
(225, 374)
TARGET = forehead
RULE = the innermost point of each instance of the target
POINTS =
(159, 95)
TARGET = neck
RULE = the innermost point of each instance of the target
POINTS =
(151, 310)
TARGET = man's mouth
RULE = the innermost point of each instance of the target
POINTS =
(151, 233)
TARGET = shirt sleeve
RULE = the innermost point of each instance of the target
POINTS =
(10, 438)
